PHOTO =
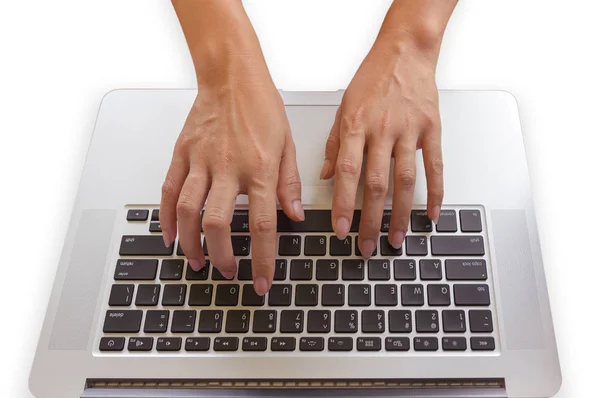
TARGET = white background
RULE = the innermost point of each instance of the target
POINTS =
(57, 59)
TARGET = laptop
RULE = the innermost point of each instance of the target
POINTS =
(461, 310)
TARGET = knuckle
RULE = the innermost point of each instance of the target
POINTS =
(168, 189)
(376, 183)
(406, 178)
(214, 220)
(348, 165)
(185, 206)
(291, 182)
(263, 225)
(436, 165)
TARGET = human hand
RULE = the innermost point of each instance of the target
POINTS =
(390, 109)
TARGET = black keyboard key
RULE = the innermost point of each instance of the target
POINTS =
(400, 321)
(387, 249)
(312, 344)
(117, 321)
(201, 275)
(244, 272)
(466, 270)
(457, 245)
(183, 321)
(470, 221)
(359, 295)
(353, 270)
(241, 245)
(265, 321)
(112, 344)
(137, 269)
(483, 344)
(427, 321)
(454, 321)
(137, 215)
(315, 245)
(250, 298)
(419, 221)
(328, 270)
(426, 344)
(238, 321)
(289, 245)
(211, 321)
(292, 321)
(357, 250)
(155, 215)
(280, 270)
(254, 344)
(140, 343)
(319, 321)
(333, 295)
(368, 344)
(280, 295)
(156, 321)
(218, 276)
(171, 270)
(239, 221)
(475, 295)
(372, 321)
(200, 295)
(346, 321)
(386, 295)
(147, 295)
(155, 227)
(197, 343)
(379, 270)
(301, 270)
(340, 344)
(339, 247)
(397, 344)
(227, 295)
(385, 220)
(416, 245)
(180, 250)
(412, 295)
(283, 344)
(120, 295)
(438, 295)
(405, 270)
(454, 344)
(446, 221)
(174, 295)
(168, 344)
(430, 270)
(307, 295)
(314, 221)
(480, 321)
(144, 245)
(226, 344)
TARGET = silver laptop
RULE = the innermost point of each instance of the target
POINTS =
(461, 310)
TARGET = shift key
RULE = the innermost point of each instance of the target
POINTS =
(144, 245)
(459, 245)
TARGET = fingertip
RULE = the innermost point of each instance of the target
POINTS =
(298, 209)
(342, 227)
(434, 214)
(325, 169)
(261, 286)
(195, 265)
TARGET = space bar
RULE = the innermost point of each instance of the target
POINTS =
(464, 245)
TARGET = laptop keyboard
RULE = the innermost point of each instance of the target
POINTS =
(430, 296)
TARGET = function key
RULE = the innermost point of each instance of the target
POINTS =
(416, 245)
(226, 343)
(112, 343)
(140, 343)
(137, 215)
(446, 221)
(197, 343)
(168, 344)
(339, 247)
(368, 344)
(425, 343)
(171, 270)
(254, 344)
(419, 221)
(470, 221)
(454, 344)
(154, 215)
(289, 245)
(136, 269)
(339, 344)
(312, 344)
(397, 344)
(483, 344)
(283, 344)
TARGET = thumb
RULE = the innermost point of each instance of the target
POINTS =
(289, 187)
(331, 148)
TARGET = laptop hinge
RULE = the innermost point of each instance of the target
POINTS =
(358, 392)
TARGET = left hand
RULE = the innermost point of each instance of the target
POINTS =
(390, 109)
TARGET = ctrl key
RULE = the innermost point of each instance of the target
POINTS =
(112, 343)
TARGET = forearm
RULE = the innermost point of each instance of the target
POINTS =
(220, 38)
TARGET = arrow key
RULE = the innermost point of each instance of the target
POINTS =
(168, 344)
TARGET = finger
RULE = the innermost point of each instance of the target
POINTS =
(216, 223)
(404, 187)
(171, 188)
(347, 175)
(331, 148)
(263, 223)
(434, 172)
(189, 207)
(376, 187)
(289, 188)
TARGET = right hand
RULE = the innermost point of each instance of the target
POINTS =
(236, 140)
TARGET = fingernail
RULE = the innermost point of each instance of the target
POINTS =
(325, 169)
(167, 239)
(260, 286)
(342, 227)
(435, 214)
(298, 209)
(228, 274)
(398, 239)
(195, 264)
(367, 247)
